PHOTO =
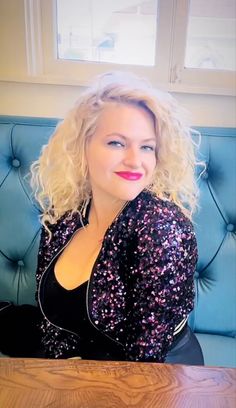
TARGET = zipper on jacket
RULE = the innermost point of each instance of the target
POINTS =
(91, 275)
(87, 290)
(87, 307)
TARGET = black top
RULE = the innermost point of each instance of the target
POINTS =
(67, 309)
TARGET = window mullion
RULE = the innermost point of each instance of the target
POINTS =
(178, 41)
(33, 37)
(164, 40)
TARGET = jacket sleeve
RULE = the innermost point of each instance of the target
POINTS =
(161, 285)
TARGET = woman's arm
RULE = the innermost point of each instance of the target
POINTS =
(161, 284)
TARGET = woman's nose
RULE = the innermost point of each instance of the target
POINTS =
(132, 158)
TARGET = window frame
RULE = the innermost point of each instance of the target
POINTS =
(168, 72)
(206, 80)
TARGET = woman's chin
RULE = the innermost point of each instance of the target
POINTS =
(129, 195)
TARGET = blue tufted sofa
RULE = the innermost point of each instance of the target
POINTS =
(214, 316)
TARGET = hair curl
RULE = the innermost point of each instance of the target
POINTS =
(60, 176)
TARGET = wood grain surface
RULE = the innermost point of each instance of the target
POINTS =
(38, 383)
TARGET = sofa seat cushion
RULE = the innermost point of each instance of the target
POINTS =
(218, 350)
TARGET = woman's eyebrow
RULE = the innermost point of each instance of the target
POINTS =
(150, 139)
(117, 134)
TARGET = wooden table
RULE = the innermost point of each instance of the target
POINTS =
(37, 383)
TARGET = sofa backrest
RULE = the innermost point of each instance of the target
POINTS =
(21, 140)
(215, 227)
(214, 315)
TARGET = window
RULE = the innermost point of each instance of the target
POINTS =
(197, 39)
(180, 45)
(107, 31)
(211, 35)
(73, 58)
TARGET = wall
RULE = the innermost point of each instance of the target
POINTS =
(25, 99)
(46, 100)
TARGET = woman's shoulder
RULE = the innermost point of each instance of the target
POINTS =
(156, 217)
(149, 206)
(64, 227)
(159, 221)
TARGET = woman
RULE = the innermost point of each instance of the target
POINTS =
(118, 252)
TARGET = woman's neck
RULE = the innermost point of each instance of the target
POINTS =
(103, 212)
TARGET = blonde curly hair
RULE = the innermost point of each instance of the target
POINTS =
(60, 176)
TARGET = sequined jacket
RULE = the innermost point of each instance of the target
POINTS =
(141, 285)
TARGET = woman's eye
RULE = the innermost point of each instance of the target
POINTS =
(115, 143)
(148, 148)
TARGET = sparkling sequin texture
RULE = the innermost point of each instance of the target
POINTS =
(141, 286)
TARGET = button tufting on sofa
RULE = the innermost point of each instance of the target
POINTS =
(16, 163)
(230, 227)
(21, 140)
(214, 316)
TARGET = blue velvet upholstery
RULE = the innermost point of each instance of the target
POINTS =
(21, 140)
(214, 316)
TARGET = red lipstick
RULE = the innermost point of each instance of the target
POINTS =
(129, 175)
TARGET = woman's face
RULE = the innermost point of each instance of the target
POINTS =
(121, 155)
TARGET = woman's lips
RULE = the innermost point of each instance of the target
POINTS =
(128, 175)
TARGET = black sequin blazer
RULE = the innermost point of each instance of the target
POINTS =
(141, 285)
